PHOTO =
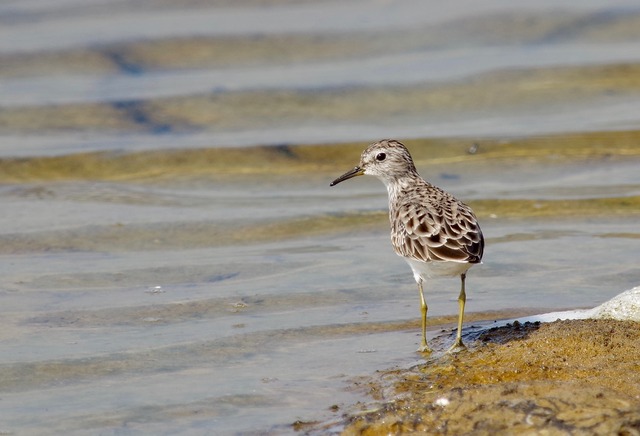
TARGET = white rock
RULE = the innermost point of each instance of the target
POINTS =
(624, 307)
(442, 402)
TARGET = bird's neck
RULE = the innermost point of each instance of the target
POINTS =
(395, 187)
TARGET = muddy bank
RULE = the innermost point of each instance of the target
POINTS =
(565, 377)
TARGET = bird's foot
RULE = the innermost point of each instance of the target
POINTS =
(457, 346)
(424, 349)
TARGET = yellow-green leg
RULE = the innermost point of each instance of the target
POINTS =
(462, 299)
(424, 348)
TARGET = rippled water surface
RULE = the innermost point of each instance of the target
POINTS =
(172, 259)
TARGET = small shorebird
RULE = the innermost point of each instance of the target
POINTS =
(434, 232)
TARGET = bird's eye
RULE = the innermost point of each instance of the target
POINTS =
(380, 157)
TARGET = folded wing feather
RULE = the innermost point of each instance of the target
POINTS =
(437, 233)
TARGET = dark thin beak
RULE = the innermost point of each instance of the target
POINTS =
(357, 171)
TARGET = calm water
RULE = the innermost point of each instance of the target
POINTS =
(146, 297)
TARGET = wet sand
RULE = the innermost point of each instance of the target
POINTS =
(565, 377)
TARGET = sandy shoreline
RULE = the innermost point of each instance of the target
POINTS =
(564, 377)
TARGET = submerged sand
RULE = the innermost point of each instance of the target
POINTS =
(565, 377)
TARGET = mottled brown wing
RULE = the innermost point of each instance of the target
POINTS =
(442, 232)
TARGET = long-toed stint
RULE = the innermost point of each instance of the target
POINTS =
(434, 232)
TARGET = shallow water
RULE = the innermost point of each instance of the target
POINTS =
(158, 278)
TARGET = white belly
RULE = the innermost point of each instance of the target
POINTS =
(426, 270)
